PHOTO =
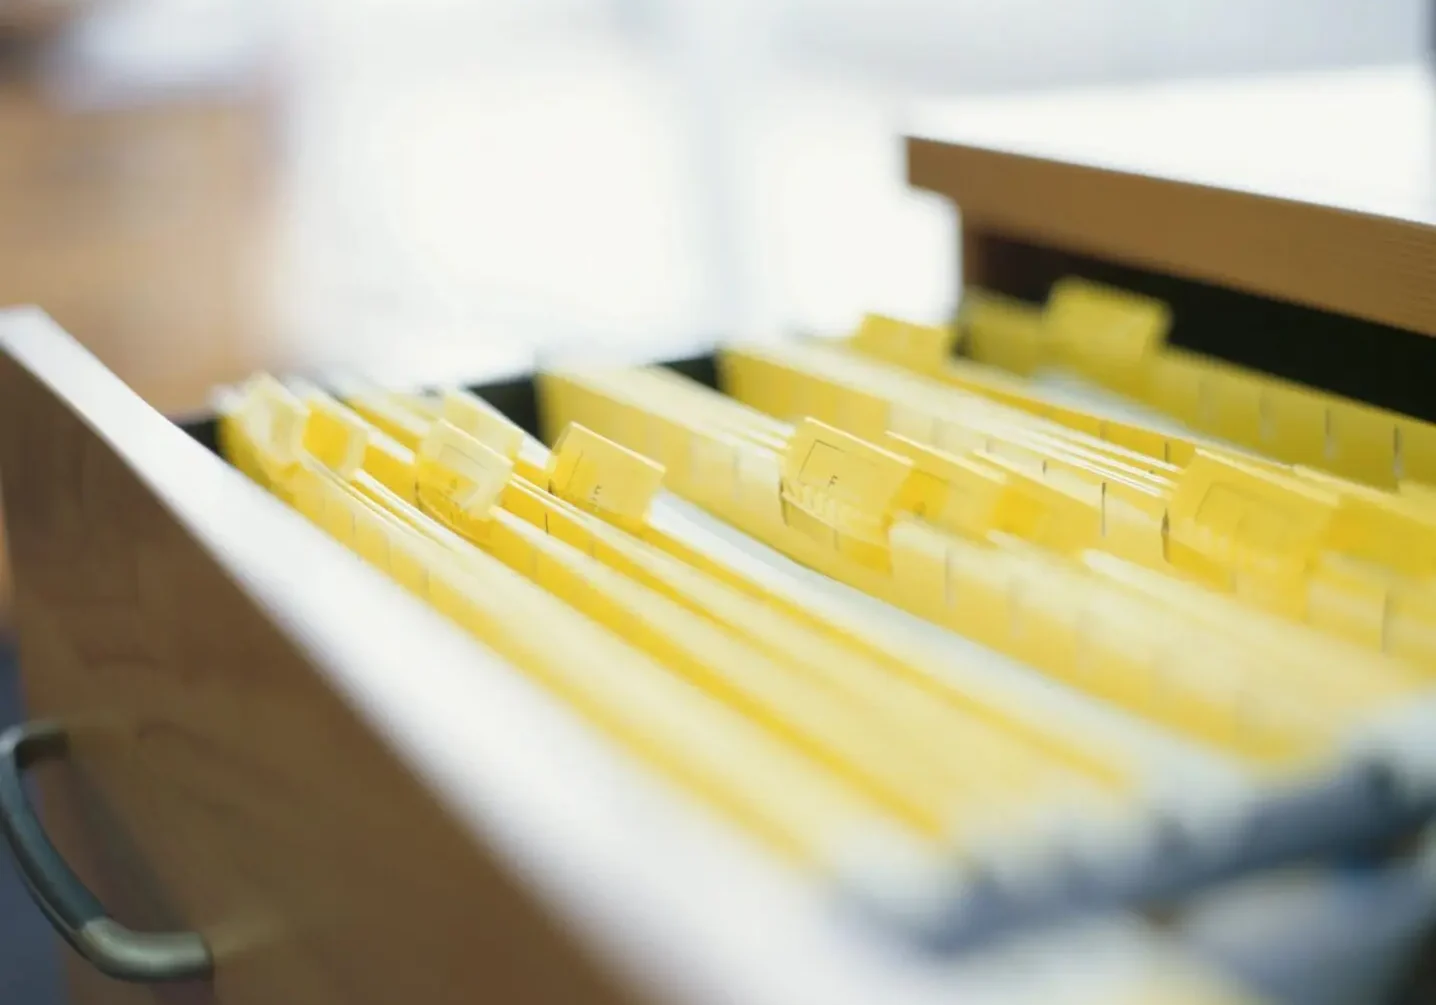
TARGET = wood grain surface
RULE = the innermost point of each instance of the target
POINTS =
(139, 227)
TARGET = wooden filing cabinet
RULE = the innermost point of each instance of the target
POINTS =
(351, 802)
(338, 792)
(1289, 220)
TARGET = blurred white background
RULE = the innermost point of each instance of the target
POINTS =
(581, 171)
(723, 166)
(983, 45)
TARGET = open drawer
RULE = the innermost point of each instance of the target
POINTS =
(1285, 219)
(341, 797)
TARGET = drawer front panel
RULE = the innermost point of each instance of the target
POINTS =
(218, 781)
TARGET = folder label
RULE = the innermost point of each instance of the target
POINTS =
(924, 348)
(460, 480)
(599, 476)
(851, 473)
(1104, 331)
(1001, 331)
(1243, 516)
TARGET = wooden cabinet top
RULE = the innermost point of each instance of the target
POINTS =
(1315, 188)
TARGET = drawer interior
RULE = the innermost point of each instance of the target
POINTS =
(516, 397)
(886, 961)
(1391, 368)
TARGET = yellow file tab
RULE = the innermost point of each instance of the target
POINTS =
(1103, 331)
(477, 418)
(924, 348)
(335, 435)
(279, 416)
(1001, 331)
(845, 468)
(965, 495)
(1390, 530)
(460, 480)
(272, 420)
(599, 476)
(1248, 528)
(838, 487)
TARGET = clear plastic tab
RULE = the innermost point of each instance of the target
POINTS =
(459, 479)
(608, 480)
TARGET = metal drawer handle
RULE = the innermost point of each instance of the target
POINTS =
(143, 957)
